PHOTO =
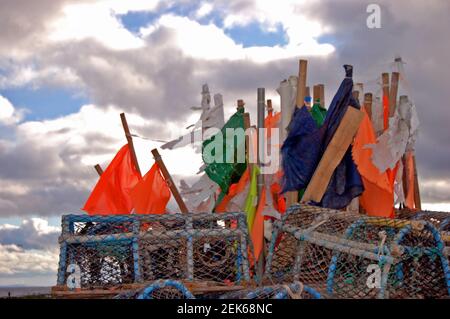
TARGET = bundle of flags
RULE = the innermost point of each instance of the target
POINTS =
(370, 168)
(306, 143)
(122, 190)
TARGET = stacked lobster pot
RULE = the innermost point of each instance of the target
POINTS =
(132, 251)
(342, 255)
(295, 290)
(170, 289)
(440, 220)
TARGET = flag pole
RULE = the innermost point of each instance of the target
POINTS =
(261, 98)
(385, 84)
(368, 97)
(99, 169)
(169, 181)
(322, 94)
(130, 142)
(417, 200)
(291, 197)
(393, 91)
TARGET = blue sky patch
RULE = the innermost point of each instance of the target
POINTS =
(253, 35)
(133, 21)
(44, 103)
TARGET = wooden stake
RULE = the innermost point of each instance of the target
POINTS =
(368, 104)
(269, 106)
(385, 88)
(322, 94)
(405, 181)
(247, 138)
(99, 169)
(240, 104)
(307, 91)
(169, 181)
(261, 93)
(130, 142)
(292, 197)
(417, 200)
(316, 93)
(385, 83)
(332, 156)
(393, 91)
(301, 83)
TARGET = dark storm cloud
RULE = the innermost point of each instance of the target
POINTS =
(29, 235)
(413, 30)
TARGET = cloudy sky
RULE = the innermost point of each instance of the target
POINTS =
(69, 67)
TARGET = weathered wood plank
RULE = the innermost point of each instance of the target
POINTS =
(333, 155)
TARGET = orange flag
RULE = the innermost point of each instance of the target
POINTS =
(257, 233)
(272, 121)
(151, 194)
(234, 190)
(111, 195)
(378, 196)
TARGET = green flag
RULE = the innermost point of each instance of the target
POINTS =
(318, 113)
(224, 153)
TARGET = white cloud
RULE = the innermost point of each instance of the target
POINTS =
(123, 7)
(15, 260)
(34, 233)
(94, 20)
(8, 114)
(211, 43)
(204, 10)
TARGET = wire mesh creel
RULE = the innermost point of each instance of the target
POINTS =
(338, 254)
(123, 249)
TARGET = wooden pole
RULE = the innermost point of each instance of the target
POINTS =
(240, 104)
(261, 151)
(99, 169)
(385, 83)
(316, 93)
(417, 200)
(247, 138)
(307, 91)
(292, 197)
(130, 142)
(269, 106)
(393, 91)
(261, 147)
(333, 154)
(368, 97)
(301, 83)
(405, 180)
(169, 181)
(322, 95)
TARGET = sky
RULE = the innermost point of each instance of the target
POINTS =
(69, 68)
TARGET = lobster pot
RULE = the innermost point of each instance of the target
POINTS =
(441, 220)
(106, 251)
(160, 289)
(96, 251)
(342, 255)
(287, 291)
